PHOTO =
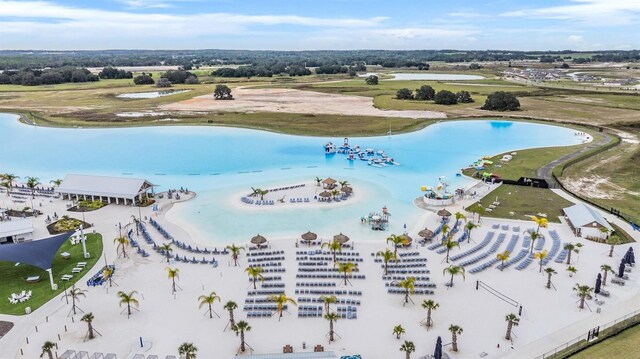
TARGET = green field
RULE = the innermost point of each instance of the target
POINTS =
(623, 345)
(13, 277)
(518, 202)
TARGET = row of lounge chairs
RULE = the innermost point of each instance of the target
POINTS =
(494, 248)
(315, 284)
(403, 277)
(271, 307)
(512, 260)
(265, 254)
(397, 266)
(347, 301)
(329, 276)
(299, 200)
(408, 271)
(420, 291)
(475, 249)
(416, 285)
(321, 269)
(265, 259)
(263, 265)
(265, 292)
(328, 292)
(404, 260)
(98, 279)
(321, 252)
(267, 279)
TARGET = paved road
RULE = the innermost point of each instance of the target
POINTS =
(545, 171)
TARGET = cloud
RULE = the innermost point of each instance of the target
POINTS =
(424, 33)
(594, 12)
(575, 39)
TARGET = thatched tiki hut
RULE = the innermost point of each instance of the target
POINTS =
(258, 240)
(329, 183)
(341, 238)
(309, 237)
(444, 214)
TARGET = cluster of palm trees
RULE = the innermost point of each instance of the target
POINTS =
(259, 192)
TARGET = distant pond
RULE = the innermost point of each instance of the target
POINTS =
(429, 77)
(153, 94)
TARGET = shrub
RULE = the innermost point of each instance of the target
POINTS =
(143, 79)
(464, 97)
(501, 101)
(191, 80)
(445, 97)
(425, 93)
(163, 82)
(404, 94)
(371, 80)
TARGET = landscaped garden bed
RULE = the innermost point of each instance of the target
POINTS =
(66, 224)
(87, 206)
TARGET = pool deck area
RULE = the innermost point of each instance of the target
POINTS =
(549, 318)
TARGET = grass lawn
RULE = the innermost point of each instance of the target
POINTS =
(623, 345)
(13, 277)
(518, 202)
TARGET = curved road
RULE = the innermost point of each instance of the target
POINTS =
(545, 171)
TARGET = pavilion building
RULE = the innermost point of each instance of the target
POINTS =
(117, 190)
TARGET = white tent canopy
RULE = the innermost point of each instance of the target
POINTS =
(585, 221)
(119, 190)
(15, 227)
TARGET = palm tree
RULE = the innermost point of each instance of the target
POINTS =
(584, 292)
(128, 299)
(572, 270)
(318, 180)
(454, 270)
(550, 271)
(122, 242)
(512, 321)
(332, 318)
(460, 216)
(469, 227)
(107, 272)
(387, 256)
(570, 247)
(75, 294)
(47, 347)
(534, 236)
(231, 306)
(240, 328)
(328, 300)
(397, 241)
(408, 284)
(56, 182)
(262, 193)
(613, 241)
(346, 268)
(429, 305)
(235, 253)
(445, 230)
(455, 331)
(8, 179)
(335, 193)
(343, 183)
(541, 222)
(255, 273)
(334, 246)
(450, 244)
(209, 300)
(32, 183)
(188, 350)
(503, 257)
(398, 330)
(88, 318)
(541, 256)
(281, 300)
(408, 347)
(605, 268)
(173, 274)
(166, 248)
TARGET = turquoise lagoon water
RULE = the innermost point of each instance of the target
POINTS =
(221, 164)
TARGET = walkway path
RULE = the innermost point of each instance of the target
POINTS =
(545, 171)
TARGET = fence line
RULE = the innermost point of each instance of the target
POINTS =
(582, 342)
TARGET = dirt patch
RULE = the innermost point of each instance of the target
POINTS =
(5, 327)
(294, 101)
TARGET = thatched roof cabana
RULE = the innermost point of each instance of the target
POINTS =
(258, 240)
(341, 238)
(444, 213)
(426, 233)
(309, 236)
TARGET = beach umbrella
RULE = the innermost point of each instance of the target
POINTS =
(408, 240)
(258, 240)
(346, 189)
(426, 233)
(621, 269)
(444, 213)
(341, 238)
(598, 283)
(325, 194)
(309, 236)
(632, 256)
(437, 354)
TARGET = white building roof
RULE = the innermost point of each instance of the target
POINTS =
(103, 186)
(581, 215)
(16, 227)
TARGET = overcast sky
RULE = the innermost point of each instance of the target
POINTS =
(321, 24)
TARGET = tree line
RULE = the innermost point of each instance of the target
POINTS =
(188, 59)
(497, 101)
(31, 77)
